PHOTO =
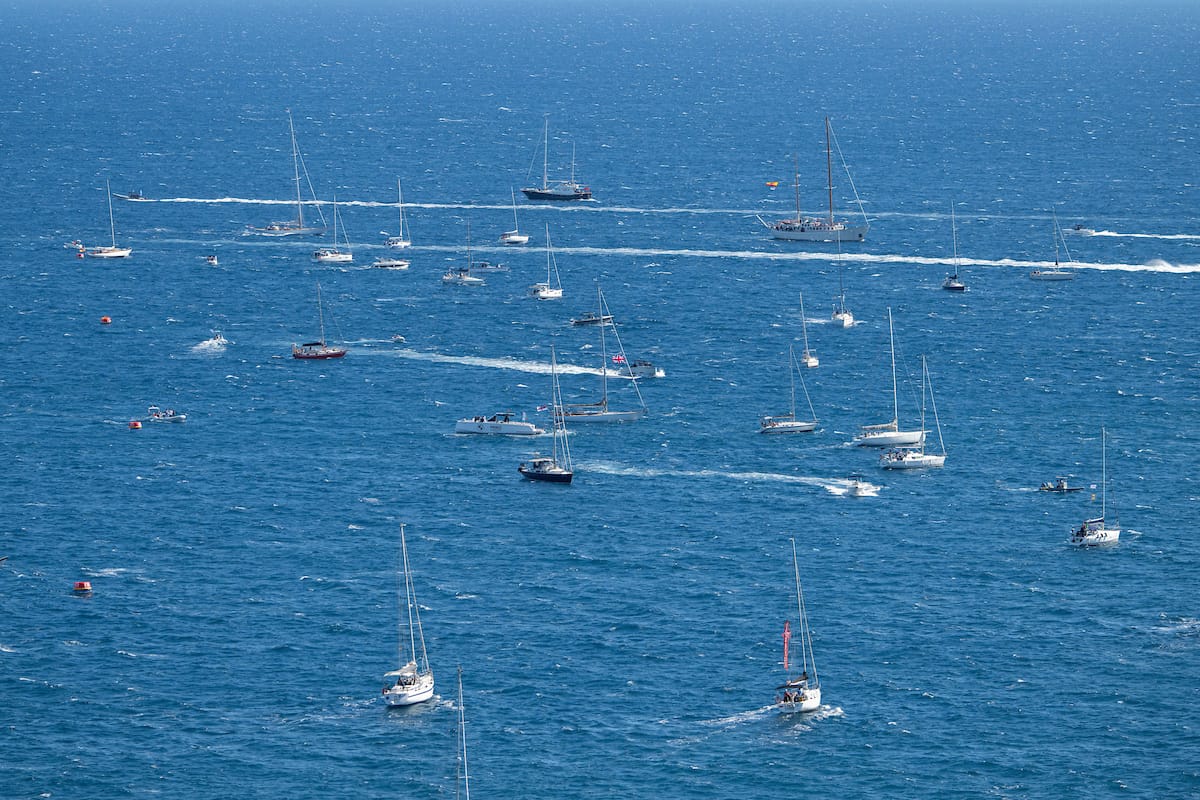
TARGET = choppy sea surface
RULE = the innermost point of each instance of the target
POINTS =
(620, 636)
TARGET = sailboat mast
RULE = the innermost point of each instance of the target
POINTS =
(1103, 473)
(796, 183)
(321, 314)
(792, 376)
(412, 641)
(803, 324)
(545, 149)
(112, 226)
(806, 654)
(296, 170)
(462, 735)
(603, 351)
(829, 173)
(895, 399)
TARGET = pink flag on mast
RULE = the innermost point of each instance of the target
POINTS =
(787, 637)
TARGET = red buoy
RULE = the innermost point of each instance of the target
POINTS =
(135, 425)
(105, 320)
(83, 586)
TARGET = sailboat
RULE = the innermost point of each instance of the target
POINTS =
(1058, 273)
(552, 470)
(953, 283)
(802, 693)
(1095, 532)
(318, 349)
(808, 358)
(462, 776)
(109, 251)
(334, 254)
(552, 288)
(915, 457)
(787, 423)
(514, 236)
(563, 189)
(461, 276)
(814, 229)
(404, 238)
(841, 314)
(413, 682)
(888, 434)
(599, 411)
(294, 227)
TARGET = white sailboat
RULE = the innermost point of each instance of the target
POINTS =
(294, 227)
(335, 254)
(599, 411)
(953, 283)
(841, 314)
(808, 358)
(1096, 532)
(461, 276)
(109, 251)
(888, 434)
(514, 236)
(556, 468)
(787, 423)
(403, 238)
(413, 682)
(802, 693)
(1058, 273)
(552, 288)
(563, 189)
(815, 229)
(318, 350)
(915, 457)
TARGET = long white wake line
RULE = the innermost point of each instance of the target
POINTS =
(835, 486)
(535, 367)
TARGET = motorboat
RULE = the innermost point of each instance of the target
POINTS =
(383, 262)
(1060, 486)
(501, 423)
(156, 414)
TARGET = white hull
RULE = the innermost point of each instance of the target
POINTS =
(497, 427)
(282, 230)
(817, 231)
(512, 237)
(1097, 537)
(390, 263)
(410, 694)
(778, 425)
(543, 291)
(910, 460)
(809, 700)
(461, 278)
(645, 369)
(843, 318)
(109, 252)
(889, 438)
(1051, 275)
(398, 243)
(332, 257)
(809, 360)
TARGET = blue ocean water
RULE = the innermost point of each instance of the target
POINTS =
(620, 636)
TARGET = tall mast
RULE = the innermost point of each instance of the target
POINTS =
(829, 172)
(412, 642)
(296, 170)
(320, 314)
(796, 183)
(895, 401)
(1103, 473)
(112, 226)
(545, 147)
(792, 377)
(603, 350)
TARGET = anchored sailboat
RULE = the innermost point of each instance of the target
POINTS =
(109, 251)
(319, 349)
(888, 434)
(294, 227)
(808, 358)
(801, 693)
(552, 288)
(1095, 532)
(413, 682)
(557, 468)
(953, 283)
(514, 236)
(599, 411)
(914, 457)
(814, 229)
(563, 189)
(787, 423)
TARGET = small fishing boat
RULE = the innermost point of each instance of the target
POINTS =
(1059, 486)
(156, 414)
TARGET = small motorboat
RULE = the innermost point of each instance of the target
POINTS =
(1060, 486)
(211, 260)
(501, 423)
(592, 318)
(384, 262)
(156, 414)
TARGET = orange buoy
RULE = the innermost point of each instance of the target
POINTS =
(135, 425)
(105, 320)
(83, 586)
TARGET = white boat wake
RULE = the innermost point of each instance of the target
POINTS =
(536, 367)
(835, 486)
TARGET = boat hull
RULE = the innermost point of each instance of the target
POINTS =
(279, 231)
(542, 291)
(390, 263)
(843, 318)
(397, 696)
(816, 231)
(576, 417)
(1051, 275)
(772, 425)
(109, 252)
(565, 191)
(317, 353)
(889, 438)
(512, 237)
(546, 474)
(808, 701)
(902, 460)
(1095, 537)
(511, 428)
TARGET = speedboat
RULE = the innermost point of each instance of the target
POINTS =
(500, 423)
(211, 260)
(1080, 229)
(156, 414)
(1060, 485)
(642, 368)
(390, 263)
(860, 488)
